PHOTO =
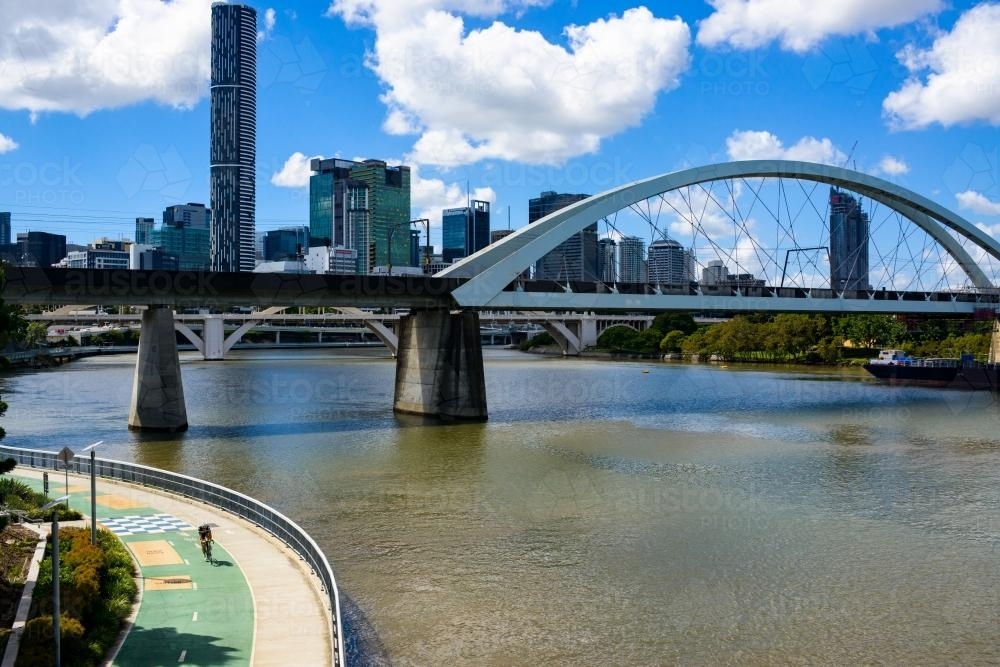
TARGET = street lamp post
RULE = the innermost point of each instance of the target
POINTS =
(427, 226)
(56, 630)
(93, 492)
(392, 232)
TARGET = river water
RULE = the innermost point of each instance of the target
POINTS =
(609, 512)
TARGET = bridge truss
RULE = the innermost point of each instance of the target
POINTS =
(772, 229)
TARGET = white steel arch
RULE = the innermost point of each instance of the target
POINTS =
(490, 270)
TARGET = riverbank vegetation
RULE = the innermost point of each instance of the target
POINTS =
(798, 338)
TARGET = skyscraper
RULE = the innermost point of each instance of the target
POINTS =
(234, 136)
(362, 206)
(848, 243)
(631, 260)
(669, 263)
(289, 243)
(186, 234)
(143, 230)
(576, 257)
(4, 227)
(607, 269)
(465, 230)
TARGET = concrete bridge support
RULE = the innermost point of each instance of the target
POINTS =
(439, 366)
(213, 336)
(157, 391)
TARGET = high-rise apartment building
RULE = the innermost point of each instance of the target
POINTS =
(631, 260)
(465, 230)
(363, 206)
(234, 136)
(848, 243)
(4, 227)
(714, 273)
(607, 269)
(144, 230)
(669, 263)
(576, 257)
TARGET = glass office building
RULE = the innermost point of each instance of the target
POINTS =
(363, 206)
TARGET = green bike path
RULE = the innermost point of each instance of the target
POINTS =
(253, 605)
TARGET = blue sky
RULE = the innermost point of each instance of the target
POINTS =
(104, 109)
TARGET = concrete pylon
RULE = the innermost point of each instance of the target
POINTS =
(157, 391)
(439, 366)
(213, 335)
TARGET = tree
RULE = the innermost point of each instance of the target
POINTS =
(672, 341)
(35, 334)
(871, 330)
(674, 321)
(620, 338)
(12, 323)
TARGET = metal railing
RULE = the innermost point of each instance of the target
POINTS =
(238, 504)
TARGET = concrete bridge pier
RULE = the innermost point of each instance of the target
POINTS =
(439, 366)
(213, 336)
(157, 391)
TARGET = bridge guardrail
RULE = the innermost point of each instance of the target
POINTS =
(234, 502)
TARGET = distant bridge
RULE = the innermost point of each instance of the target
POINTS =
(573, 332)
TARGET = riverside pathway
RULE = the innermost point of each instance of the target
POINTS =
(255, 605)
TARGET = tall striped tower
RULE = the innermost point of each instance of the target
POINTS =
(234, 136)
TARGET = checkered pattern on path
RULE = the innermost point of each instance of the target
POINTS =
(147, 524)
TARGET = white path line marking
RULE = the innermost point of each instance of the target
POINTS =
(183, 655)
(194, 617)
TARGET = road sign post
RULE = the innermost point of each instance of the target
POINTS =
(66, 456)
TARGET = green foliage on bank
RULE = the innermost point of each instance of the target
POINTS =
(790, 337)
(543, 338)
(97, 588)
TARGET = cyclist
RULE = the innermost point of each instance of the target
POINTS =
(205, 536)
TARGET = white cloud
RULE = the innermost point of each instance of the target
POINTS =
(800, 25)
(270, 18)
(762, 145)
(6, 143)
(892, 166)
(295, 172)
(429, 196)
(962, 81)
(992, 230)
(977, 202)
(83, 56)
(503, 93)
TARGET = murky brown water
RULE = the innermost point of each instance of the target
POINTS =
(688, 515)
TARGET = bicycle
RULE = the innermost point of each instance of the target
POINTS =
(206, 549)
(205, 536)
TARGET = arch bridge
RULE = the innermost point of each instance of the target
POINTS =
(866, 245)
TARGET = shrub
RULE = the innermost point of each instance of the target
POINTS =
(96, 590)
(37, 647)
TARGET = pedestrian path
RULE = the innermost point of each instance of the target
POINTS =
(254, 604)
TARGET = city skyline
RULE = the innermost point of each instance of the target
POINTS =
(865, 91)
